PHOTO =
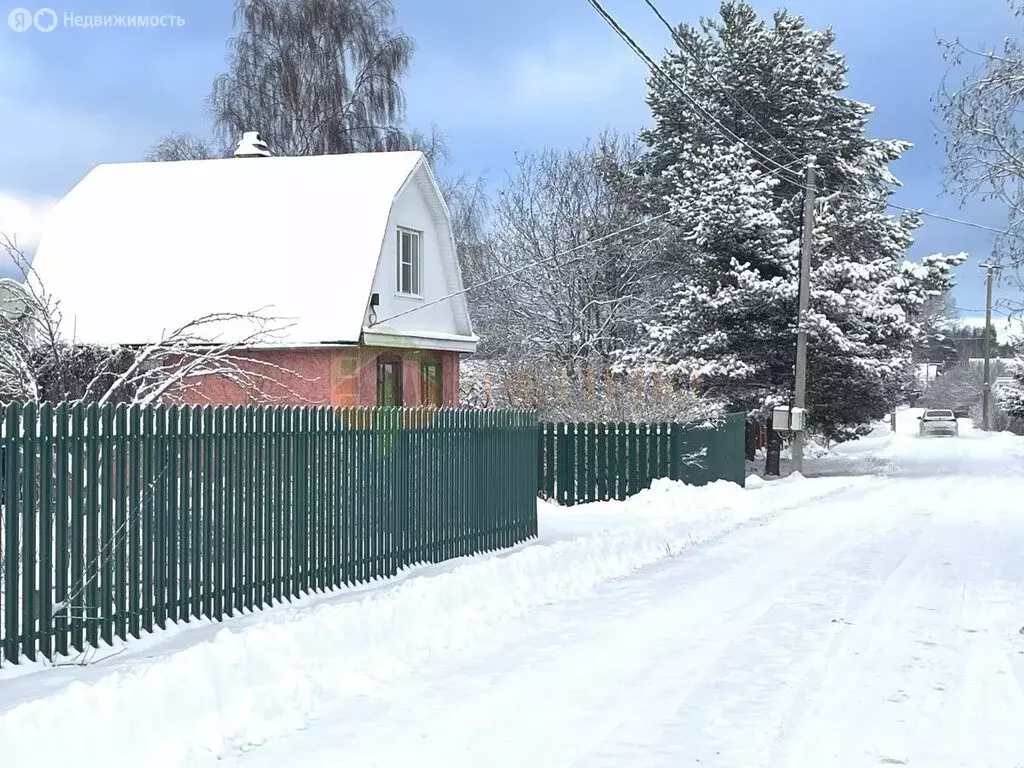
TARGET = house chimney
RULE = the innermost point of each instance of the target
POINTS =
(252, 145)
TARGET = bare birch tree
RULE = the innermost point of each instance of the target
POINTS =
(315, 76)
(312, 76)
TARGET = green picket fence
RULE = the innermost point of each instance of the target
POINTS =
(584, 462)
(117, 520)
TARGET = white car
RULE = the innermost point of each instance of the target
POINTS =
(939, 423)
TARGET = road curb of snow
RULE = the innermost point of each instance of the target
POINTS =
(265, 680)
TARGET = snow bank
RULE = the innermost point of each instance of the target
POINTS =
(812, 450)
(251, 684)
(755, 481)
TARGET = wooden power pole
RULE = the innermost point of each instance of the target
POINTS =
(986, 394)
(807, 241)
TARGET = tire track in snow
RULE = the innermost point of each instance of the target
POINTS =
(903, 686)
(713, 610)
(739, 710)
(728, 655)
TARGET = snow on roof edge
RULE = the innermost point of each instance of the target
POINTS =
(350, 220)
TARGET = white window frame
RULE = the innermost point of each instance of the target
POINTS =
(415, 264)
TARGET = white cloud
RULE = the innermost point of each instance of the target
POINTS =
(569, 76)
(561, 82)
(22, 218)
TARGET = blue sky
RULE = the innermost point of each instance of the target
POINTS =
(494, 77)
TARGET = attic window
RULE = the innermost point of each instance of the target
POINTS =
(410, 261)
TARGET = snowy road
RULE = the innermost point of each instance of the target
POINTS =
(877, 627)
(868, 615)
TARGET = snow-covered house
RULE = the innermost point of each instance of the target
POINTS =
(353, 254)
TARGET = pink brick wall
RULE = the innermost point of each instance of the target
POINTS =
(342, 376)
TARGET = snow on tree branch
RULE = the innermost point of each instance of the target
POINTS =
(39, 362)
(980, 102)
(736, 224)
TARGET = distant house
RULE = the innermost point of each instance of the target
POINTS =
(338, 246)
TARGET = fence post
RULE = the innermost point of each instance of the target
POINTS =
(541, 458)
(12, 446)
(120, 483)
(550, 460)
(111, 541)
(30, 516)
(89, 586)
(589, 456)
(165, 490)
(210, 517)
(643, 460)
(675, 451)
(46, 538)
(562, 462)
(134, 513)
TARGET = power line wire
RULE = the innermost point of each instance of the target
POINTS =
(682, 44)
(658, 71)
(982, 311)
(953, 220)
(524, 267)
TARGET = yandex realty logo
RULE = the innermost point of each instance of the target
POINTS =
(22, 20)
(47, 20)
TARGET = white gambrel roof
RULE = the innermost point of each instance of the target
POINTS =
(138, 249)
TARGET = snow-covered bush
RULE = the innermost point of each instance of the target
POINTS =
(41, 362)
(603, 396)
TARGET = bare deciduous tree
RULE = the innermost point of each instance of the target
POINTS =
(184, 146)
(576, 309)
(38, 362)
(936, 318)
(469, 207)
(980, 102)
(960, 387)
(17, 320)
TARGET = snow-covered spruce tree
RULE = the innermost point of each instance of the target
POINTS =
(1010, 399)
(731, 324)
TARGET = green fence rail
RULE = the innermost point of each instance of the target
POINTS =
(584, 462)
(116, 520)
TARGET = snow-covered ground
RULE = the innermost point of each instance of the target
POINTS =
(868, 615)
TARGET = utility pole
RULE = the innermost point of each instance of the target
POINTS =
(986, 394)
(807, 241)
